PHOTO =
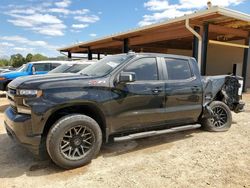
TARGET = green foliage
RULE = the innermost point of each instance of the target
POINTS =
(17, 60)
(29, 57)
(39, 57)
(4, 62)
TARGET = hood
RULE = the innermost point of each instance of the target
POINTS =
(49, 81)
(13, 74)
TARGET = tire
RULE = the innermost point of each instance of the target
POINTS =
(68, 141)
(223, 120)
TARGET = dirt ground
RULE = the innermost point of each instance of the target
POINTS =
(186, 159)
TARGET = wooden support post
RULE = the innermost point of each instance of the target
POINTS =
(98, 56)
(246, 63)
(90, 57)
(196, 44)
(125, 47)
(204, 49)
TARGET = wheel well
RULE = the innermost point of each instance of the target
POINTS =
(87, 110)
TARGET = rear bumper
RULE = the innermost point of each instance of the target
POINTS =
(18, 127)
(3, 84)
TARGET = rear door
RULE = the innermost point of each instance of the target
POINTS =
(41, 68)
(183, 91)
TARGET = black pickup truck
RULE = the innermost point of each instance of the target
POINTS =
(122, 97)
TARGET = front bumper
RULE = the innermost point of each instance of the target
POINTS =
(3, 84)
(18, 127)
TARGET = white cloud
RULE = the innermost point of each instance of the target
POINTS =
(48, 19)
(64, 3)
(6, 44)
(23, 49)
(66, 11)
(162, 9)
(93, 34)
(79, 26)
(24, 45)
(22, 40)
(41, 23)
(87, 19)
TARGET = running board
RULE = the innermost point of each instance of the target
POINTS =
(154, 133)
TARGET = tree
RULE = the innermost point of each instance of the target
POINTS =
(39, 57)
(4, 62)
(29, 57)
(17, 60)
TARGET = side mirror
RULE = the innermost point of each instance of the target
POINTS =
(127, 77)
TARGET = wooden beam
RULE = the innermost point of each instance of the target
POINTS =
(107, 45)
(178, 34)
(228, 44)
(227, 30)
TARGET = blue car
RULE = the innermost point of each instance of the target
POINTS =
(32, 68)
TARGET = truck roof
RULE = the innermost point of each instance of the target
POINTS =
(158, 54)
(50, 61)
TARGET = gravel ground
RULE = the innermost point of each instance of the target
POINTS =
(186, 159)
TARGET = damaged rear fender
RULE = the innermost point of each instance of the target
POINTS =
(226, 88)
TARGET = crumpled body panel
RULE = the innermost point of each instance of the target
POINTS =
(225, 88)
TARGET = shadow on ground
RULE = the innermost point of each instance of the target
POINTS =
(16, 161)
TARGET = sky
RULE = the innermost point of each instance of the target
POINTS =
(42, 26)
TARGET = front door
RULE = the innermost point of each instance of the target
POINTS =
(139, 104)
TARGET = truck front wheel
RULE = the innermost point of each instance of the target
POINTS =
(73, 141)
(221, 120)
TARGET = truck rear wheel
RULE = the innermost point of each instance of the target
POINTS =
(73, 141)
(222, 119)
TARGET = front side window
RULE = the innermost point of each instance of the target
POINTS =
(144, 69)
(178, 69)
(42, 67)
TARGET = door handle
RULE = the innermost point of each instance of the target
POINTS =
(195, 88)
(156, 90)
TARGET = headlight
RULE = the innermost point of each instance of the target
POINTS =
(30, 92)
(2, 78)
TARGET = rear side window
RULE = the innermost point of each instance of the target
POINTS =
(54, 65)
(178, 69)
(42, 67)
(144, 69)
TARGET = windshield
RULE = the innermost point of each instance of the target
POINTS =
(23, 68)
(105, 66)
(69, 68)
